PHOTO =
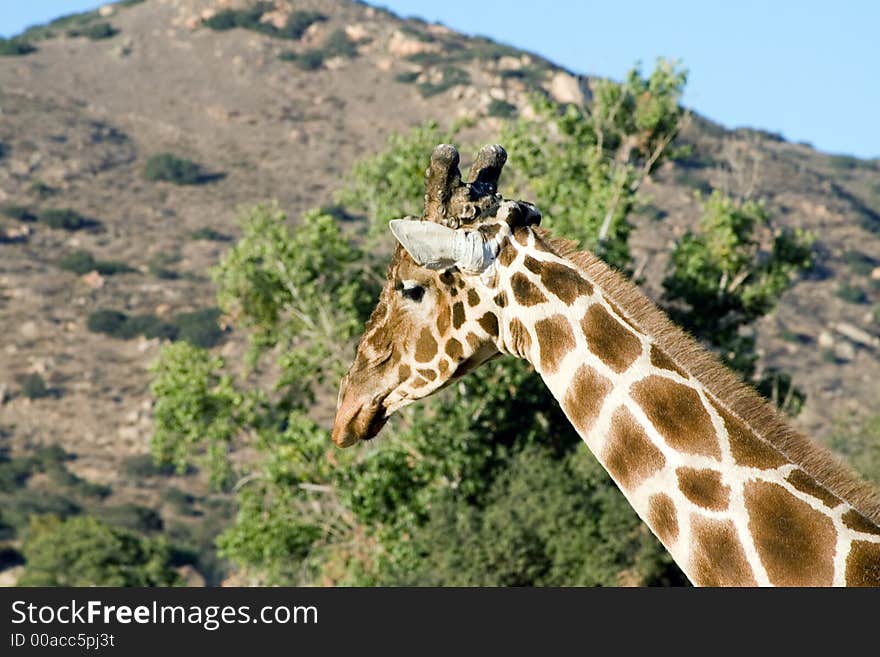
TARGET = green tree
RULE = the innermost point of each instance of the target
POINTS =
(585, 165)
(729, 273)
(83, 551)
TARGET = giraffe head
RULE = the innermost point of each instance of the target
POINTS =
(437, 316)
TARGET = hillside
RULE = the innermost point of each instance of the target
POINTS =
(274, 115)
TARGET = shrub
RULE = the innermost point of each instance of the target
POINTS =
(144, 465)
(310, 60)
(41, 189)
(159, 265)
(170, 168)
(15, 48)
(451, 77)
(19, 212)
(249, 18)
(200, 327)
(106, 321)
(14, 473)
(181, 501)
(851, 293)
(95, 32)
(85, 551)
(210, 235)
(407, 77)
(118, 325)
(133, 516)
(64, 219)
(338, 44)
(287, 56)
(34, 387)
(860, 263)
(61, 476)
(502, 109)
(82, 262)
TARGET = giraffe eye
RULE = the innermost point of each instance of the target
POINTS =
(411, 290)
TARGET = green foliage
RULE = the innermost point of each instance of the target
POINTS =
(94, 31)
(337, 44)
(722, 278)
(584, 173)
(199, 327)
(851, 293)
(82, 262)
(34, 387)
(19, 212)
(42, 189)
(407, 77)
(15, 47)
(547, 522)
(858, 440)
(168, 167)
(56, 27)
(310, 60)
(135, 517)
(83, 551)
(249, 18)
(64, 219)
(182, 502)
(502, 109)
(141, 466)
(197, 409)
(450, 76)
(390, 184)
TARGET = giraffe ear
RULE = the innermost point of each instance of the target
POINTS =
(436, 246)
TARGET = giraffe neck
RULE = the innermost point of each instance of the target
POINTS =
(728, 504)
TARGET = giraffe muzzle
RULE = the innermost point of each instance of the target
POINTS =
(358, 421)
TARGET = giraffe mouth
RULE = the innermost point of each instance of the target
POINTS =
(356, 422)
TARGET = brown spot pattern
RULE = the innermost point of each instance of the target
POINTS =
(703, 488)
(532, 265)
(457, 314)
(717, 557)
(564, 282)
(521, 235)
(747, 448)
(856, 521)
(629, 455)
(863, 564)
(661, 360)
(662, 517)
(443, 366)
(525, 292)
(806, 484)
(473, 341)
(608, 339)
(521, 341)
(500, 299)
(428, 374)
(555, 340)
(454, 349)
(473, 298)
(489, 323)
(403, 372)
(506, 253)
(795, 542)
(443, 320)
(583, 399)
(426, 346)
(678, 414)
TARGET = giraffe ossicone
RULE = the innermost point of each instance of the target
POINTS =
(735, 495)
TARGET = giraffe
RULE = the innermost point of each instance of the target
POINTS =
(736, 496)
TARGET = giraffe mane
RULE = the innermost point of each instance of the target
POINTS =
(738, 397)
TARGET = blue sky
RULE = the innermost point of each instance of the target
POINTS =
(808, 69)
